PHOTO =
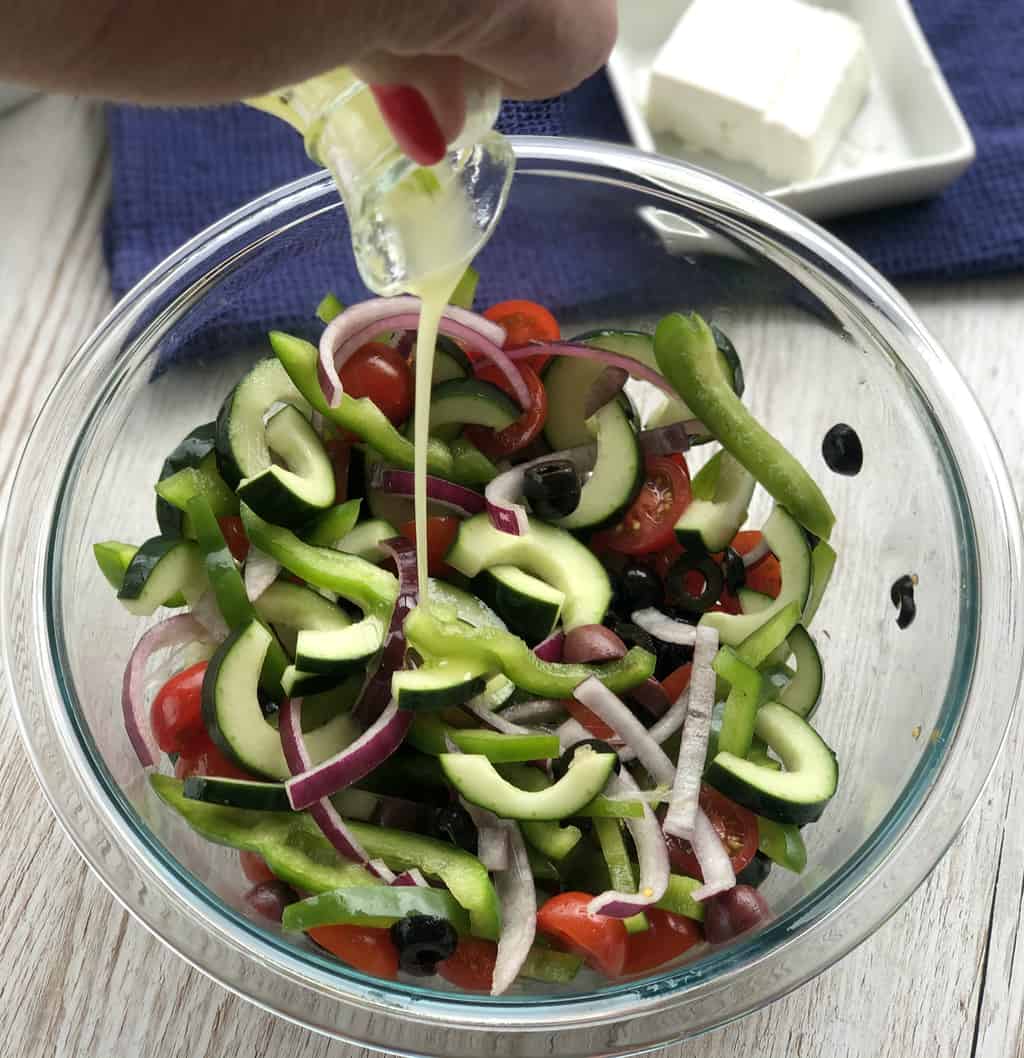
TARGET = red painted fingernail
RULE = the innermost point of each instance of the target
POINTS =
(411, 121)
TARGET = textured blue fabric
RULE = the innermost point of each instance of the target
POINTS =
(177, 171)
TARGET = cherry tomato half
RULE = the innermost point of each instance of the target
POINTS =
(255, 868)
(379, 372)
(735, 825)
(677, 681)
(525, 322)
(203, 757)
(499, 444)
(599, 939)
(667, 937)
(765, 575)
(234, 536)
(367, 948)
(472, 964)
(648, 525)
(441, 533)
(590, 720)
(176, 714)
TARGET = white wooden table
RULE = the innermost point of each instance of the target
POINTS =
(943, 979)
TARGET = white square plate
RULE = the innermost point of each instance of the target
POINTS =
(908, 141)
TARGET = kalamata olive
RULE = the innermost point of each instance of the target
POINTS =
(638, 588)
(841, 449)
(560, 766)
(650, 696)
(453, 823)
(729, 914)
(269, 899)
(756, 871)
(552, 489)
(592, 643)
(630, 634)
(902, 595)
(422, 942)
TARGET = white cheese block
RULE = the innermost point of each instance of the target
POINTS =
(773, 83)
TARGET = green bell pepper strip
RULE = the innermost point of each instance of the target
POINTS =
(540, 866)
(782, 843)
(549, 838)
(678, 897)
(181, 487)
(507, 653)
(428, 734)
(372, 589)
(758, 647)
(373, 905)
(555, 967)
(114, 558)
(620, 869)
(298, 853)
(332, 525)
(329, 307)
(823, 560)
(360, 415)
(758, 754)
(229, 589)
(688, 357)
(470, 465)
(745, 683)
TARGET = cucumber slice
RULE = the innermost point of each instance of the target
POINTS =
(329, 307)
(760, 645)
(468, 400)
(529, 607)
(238, 793)
(429, 735)
(163, 568)
(567, 381)
(242, 448)
(550, 839)
(294, 495)
(450, 362)
(233, 716)
(823, 560)
(617, 475)
(470, 609)
(788, 542)
(340, 649)
(803, 692)
(550, 553)
(202, 480)
(710, 523)
(365, 539)
(298, 684)
(796, 795)
(333, 525)
(477, 780)
(114, 558)
(745, 684)
(450, 682)
(192, 450)
(299, 607)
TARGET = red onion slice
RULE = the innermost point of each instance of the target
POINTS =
(260, 572)
(667, 440)
(665, 628)
(683, 806)
(324, 814)
(411, 877)
(756, 553)
(666, 725)
(518, 899)
(634, 368)
(383, 871)
(550, 649)
(604, 388)
(502, 493)
(617, 715)
(651, 696)
(652, 854)
(464, 501)
(206, 611)
(376, 693)
(353, 763)
(173, 632)
(715, 865)
(360, 323)
(492, 840)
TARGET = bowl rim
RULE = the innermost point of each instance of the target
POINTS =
(907, 844)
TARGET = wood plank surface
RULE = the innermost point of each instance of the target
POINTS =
(943, 978)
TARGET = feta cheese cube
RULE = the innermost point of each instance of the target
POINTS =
(770, 82)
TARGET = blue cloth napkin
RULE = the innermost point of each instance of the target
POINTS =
(177, 171)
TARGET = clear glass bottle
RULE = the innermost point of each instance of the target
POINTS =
(407, 222)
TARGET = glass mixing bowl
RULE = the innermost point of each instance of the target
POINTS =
(607, 237)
